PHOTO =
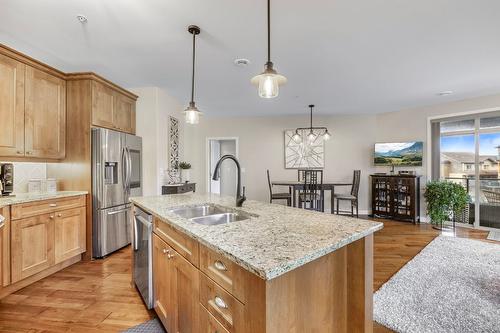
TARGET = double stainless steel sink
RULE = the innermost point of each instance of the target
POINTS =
(210, 214)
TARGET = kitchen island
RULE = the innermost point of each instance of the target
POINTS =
(278, 269)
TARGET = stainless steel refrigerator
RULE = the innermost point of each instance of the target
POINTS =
(116, 176)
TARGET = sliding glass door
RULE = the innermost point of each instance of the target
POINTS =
(470, 155)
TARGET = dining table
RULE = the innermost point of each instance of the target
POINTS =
(296, 185)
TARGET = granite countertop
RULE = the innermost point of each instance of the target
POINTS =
(29, 197)
(277, 241)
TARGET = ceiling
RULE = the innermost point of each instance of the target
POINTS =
(345, 56)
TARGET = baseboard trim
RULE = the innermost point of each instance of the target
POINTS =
(7, 290)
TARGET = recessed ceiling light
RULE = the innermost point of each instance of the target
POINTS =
(82, 18)
(445, 93)
(242, 62)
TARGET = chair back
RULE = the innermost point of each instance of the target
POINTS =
(269, 183)
(300, 175)
(313, 181)
(355, 183)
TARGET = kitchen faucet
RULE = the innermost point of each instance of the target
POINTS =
(240, 197)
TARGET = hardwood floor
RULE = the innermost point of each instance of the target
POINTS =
(94, 296)
(97, 296)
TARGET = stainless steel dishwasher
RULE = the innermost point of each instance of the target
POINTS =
(143, 255)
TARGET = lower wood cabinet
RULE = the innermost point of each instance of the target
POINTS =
(69, 233)
(5, 248)
(42, 241)
(32, 245)
(176, 285)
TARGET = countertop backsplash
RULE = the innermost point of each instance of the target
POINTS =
(24, 171)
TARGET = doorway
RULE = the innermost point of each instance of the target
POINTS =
(216, 148)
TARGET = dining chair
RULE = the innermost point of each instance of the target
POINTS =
(352, 197)
(311, 196)
(278, 196)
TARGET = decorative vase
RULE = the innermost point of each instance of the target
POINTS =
(185, 175)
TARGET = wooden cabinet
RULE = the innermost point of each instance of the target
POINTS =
(4, 248)
(111, 109)
(176, 285)
(69, 233)
(45, 115)
(32, 245)
(124, 114)
(11, 107)
(396, 197)
(46, 233)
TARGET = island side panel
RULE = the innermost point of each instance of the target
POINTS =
(331, 294)
(311, 298)
(360, 285)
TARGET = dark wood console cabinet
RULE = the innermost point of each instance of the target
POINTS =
(396, 197)
(178, 188)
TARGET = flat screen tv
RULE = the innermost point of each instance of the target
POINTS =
(399, 153)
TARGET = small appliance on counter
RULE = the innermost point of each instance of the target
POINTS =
(7, 178)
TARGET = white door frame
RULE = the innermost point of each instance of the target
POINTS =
(476, 224)
(207, 155)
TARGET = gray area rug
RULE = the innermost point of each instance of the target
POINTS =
(494, 235)
(453, 285)
(151, 326)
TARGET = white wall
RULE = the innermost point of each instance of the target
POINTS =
(154, 106)
(24, 171)
(261, 147)
(261, 143)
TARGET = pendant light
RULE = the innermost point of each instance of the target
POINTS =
(269, 80)
(311, 136)
(192, 113)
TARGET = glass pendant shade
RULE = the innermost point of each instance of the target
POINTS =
(326, 136)
(296, 137)
(192, 114)
(311, 136)
(269, 82)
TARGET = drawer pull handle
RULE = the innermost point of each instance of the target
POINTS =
(53, 205)
(220, 265)
(220, 302)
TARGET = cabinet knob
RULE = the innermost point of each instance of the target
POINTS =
(220, 302)
(29, 153)
(170, 255)
(51, 216)
(165, 251)
(219, 265)
(19, 152)
(59, 215)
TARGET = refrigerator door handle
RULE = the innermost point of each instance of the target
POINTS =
(124, 168)
(118, 211)
(129, 167)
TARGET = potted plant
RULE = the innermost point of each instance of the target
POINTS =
(444, 200)
(185, 171)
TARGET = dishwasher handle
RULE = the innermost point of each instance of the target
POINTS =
(138, 219)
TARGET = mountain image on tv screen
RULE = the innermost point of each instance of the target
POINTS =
(399, 153)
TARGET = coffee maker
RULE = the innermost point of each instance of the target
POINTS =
(6, 178)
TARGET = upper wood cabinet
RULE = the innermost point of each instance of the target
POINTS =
(45, 115)
(111, 109)
(124, 115)
(11, 107)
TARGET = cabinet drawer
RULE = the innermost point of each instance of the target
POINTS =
(222, 305)
(184, 245)
(208, 323)
(46, 206)
(226, 273)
